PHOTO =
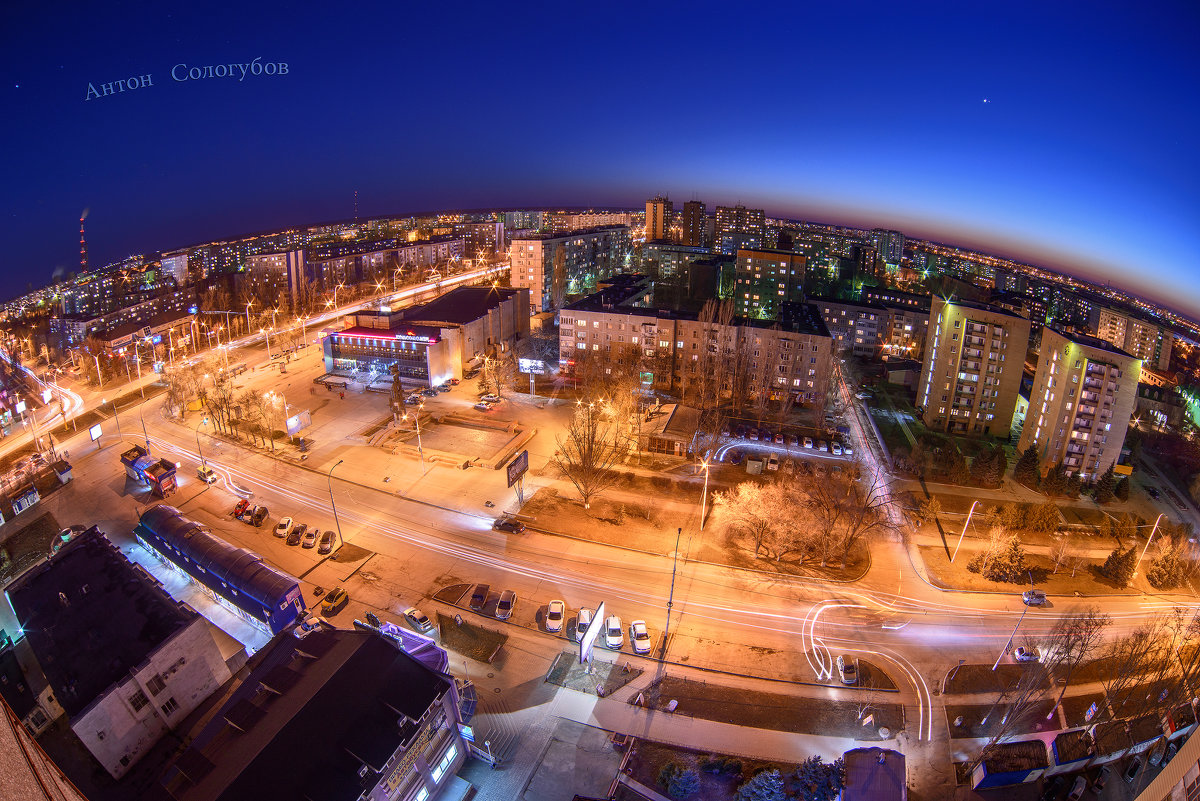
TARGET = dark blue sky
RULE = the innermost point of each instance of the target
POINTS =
(871, 113)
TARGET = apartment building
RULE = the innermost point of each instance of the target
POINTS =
(971, 373)
(554, 266)
(785, 360)
(904, 332)
(1135, 335)
(738, 228)
(1083, 396)
(659, 211)
(766, 279)
(695, 224)
(856, 328)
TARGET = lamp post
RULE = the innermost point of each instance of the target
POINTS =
(1152, 532)
(964, 532)
(334, 505)
(704, 501)
(249, 303)
(417, 420)
(335, 289)
(670, 596)
(99, 378)
(266, 336)
(203, 422)
(1011, 636)
(116, 415)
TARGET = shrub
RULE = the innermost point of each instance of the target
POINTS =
(1119, 565)
(766, 785)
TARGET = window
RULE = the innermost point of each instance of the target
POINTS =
(138, 701)
(170, 707)
(156, 685)
(444, 765)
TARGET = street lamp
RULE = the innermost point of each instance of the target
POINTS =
(964, 532)
(420, 448)
(1152, 532)
(116, 415)
(704, 501)
(249, 303)
(334, 505)
(203, 422)
(266, 336)
(335, 289)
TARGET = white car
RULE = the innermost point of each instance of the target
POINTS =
(847, 669)
(808, 442)
(417, 619)
(582, 622)
(555, 613)
(284, 527)
(835, 449)
(491, 397)
(1022, 654)
(614, 637)
(639, 637)
(848, 449)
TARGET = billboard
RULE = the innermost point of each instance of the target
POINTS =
(21, 410)
(517, 467)
(593, 632)
(301, 421)
(94, 431)
(531, 366)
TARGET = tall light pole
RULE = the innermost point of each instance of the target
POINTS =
(420, 448)
(266, 336)
(203, 422)
(115, 415)
(1010, 637)
(334, 505)
(704, 501)
(335, 289)
(966, 523)
(1152, 532)
(670, 597)
(249, 303)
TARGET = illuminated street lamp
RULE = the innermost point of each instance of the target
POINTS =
(266, 336)
(116, 415)
(1152, 532)
(704, 501)
(249, 303)
(417, 421)
(964, 532)
(203, 422)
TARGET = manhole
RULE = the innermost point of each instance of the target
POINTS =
(496, 690)
(885, 732)
(491, 675)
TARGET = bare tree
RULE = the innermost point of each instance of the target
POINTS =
(847, 509)
(1015, 710)
(1061, 551)
(1075, 640)
(589, 452)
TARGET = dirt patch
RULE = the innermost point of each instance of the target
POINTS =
(452, 594)
(984, 720)
(763, 710)
(614, 522)
(349, 554)
(1075, 707)
(982, 679)
(604, 678)
(470, 640)
(720, 774)
(957, 577)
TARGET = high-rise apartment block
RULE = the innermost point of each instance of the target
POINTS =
(553, 266)
(856, 328)
(739, 228)
(971, 375)
(1083, 395)
(765, 279)
(888, 244)
(658, 219)
(694, 224)
(1135, 335)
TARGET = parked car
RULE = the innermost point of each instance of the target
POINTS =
(862, 395)
(1133, 769)
(310, 539)
(335, 601)
(429, 392)
(284, 527)
(479, 596)
(639, 637)
(582, 621)
(326, 544)
(206, 474)
(416, 618)
(1152, 492)
(847, 669)
(444, 387)
(1034, 598)
(413, 399)
(778, 438)
(822, 446)
(847, 449)
(373, 619)
(808, 443)
(736, 457)
(754, 434)
(772, 462)
(490, 397)
(1101, 779)
(793, 440)
(508, 524)
(504, 607)
(483, 407)
(307, 626)
(835, 448)
(1077, 789)
(1052, 788)
(454, 382)
(555, 612)
(260, 514)
(297, 535)
(1023, 654)
(240, 508)
(614, 637)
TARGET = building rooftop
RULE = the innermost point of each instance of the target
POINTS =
(91, 617)
(954, 300)
(1090, 341)
(460, 306)
(546, 235)
(1017, 756)
(858, 304)
(13, 687)
(307, 719)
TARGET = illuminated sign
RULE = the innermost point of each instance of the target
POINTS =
(193, 309)
(46, 395)
(531, 366)
(589, 637)
(20, 407)
(517, 467)
(94, 431)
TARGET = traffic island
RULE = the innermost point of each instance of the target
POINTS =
(973, 721)
(473, 642)
(598, 678)
(719, 775)
(971, 679)
(869, 718)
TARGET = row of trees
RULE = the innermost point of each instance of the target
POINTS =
(1060, 482)
(797, 520)
(813, 780)
(231, 410)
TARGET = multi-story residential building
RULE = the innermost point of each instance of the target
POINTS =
(789, 359)
(665, 259)
(971, 374)
(336, 713)
(896, 297)
(905, 332)
(71, 331)
(765, 279)
(564, 221)
(485, 237)
(526, 220)
(112, 289)
(554, 266)
(175, 266)
(694, 224)
(1083, 396)
(739, 228)
(1146, 339)
(659, 211)
(888, 244)
(856, 328)
(126, 661)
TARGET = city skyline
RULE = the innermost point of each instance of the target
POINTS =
(883, 125)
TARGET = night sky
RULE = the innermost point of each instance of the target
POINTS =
(1083, 157)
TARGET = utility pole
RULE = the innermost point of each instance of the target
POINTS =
(670, 597)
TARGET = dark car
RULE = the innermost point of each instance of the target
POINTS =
(430, 392)
(1152, 492)
(1052, 789)
(444, 387)
(1101, 779)
(326, 543)
(260, 514)
(334, 601)
(479, 596)
(1135, 767)
(1077, 789)
(509, 525)
(297, 535)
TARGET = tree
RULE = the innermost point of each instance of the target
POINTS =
(678, 780)
(1076, 638)
(1026, 470)
(846, 509)
(1167, 569)
(929, 510)
(1061, 551)
(589, 452)
(1056, 481)
(1105, 488)
(821, 781)
(1004, 562)
(1042, 518)
(1122, 489)
(764, 513)
(1119, 565)
(766, 785)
